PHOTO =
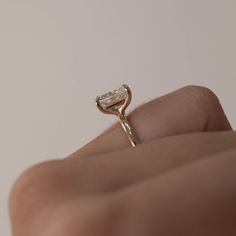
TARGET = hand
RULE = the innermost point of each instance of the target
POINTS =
(181, 179)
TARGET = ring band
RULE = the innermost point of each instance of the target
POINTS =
(115, 103)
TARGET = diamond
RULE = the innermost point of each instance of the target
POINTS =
(113, 98)
(115, 102)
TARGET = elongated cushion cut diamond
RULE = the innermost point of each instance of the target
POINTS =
(113, 98)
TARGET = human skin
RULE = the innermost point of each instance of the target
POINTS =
(180, 179)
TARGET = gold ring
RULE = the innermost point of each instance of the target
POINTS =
(115, 103)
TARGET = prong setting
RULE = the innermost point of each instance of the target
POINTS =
(114, 102)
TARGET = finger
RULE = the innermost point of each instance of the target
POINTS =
(122, 168)
(45, 186)
(190, 109)
(198, 199)
(119, 169)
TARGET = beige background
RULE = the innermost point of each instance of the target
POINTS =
(56, 56)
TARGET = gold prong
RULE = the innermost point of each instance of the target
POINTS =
(117, 106)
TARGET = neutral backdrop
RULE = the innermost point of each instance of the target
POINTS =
(57, 55)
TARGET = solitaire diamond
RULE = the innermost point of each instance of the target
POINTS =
(113, 98)
(115, 103)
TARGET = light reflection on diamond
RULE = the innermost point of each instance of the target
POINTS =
(112, 97)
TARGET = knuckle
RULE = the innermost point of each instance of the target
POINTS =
(88, 217)
(206, 105)
(34, 189)
(204, 99)
(37, 180)
(202, 94)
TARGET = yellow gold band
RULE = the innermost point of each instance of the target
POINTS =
(128, 130)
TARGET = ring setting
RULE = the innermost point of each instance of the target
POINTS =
(115, 103)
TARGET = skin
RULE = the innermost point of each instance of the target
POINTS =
(181, 179)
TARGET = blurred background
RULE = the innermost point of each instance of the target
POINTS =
(56, 56)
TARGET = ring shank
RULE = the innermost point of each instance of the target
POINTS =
(128, 130)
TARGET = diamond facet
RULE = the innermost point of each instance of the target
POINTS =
(113, 98)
